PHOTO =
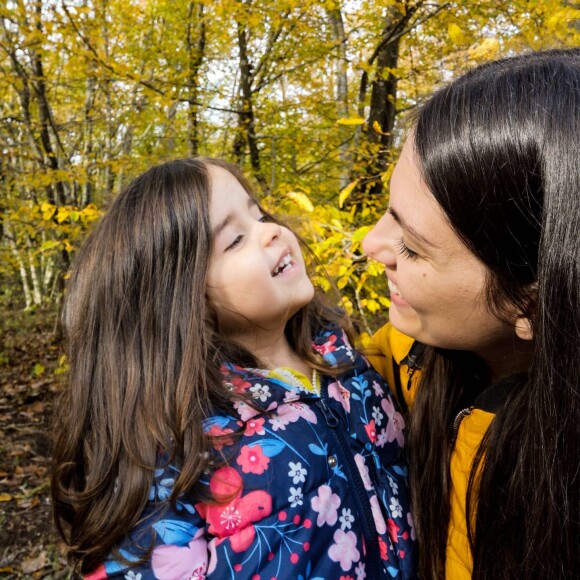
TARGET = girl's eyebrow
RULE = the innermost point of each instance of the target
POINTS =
(409, 228)
(229, 218)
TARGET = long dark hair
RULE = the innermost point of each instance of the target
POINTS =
(144, 349)
(499, 150)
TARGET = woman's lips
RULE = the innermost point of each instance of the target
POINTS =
(395, 294)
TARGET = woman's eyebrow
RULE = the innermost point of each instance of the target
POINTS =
(409, 228)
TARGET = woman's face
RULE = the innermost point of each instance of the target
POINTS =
(437, 285)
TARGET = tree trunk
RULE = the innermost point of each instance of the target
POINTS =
(382, 114)
(341, 67)
(195, 50)
(246, 115)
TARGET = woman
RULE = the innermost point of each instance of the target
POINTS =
(481, 247)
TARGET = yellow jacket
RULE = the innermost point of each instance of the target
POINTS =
(389, 353)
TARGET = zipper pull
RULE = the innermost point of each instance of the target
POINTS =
(331, 419)
(412, 361)
(457, 422)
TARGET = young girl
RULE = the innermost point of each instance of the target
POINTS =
(481, 245)
(218, 422)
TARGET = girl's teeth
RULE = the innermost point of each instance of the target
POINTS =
(284, 262)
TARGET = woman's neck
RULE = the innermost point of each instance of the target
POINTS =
(512, 358)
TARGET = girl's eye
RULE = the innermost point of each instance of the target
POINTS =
(235, 243)
(263, 218)
(406, 252)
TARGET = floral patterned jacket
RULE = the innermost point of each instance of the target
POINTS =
(316, 486)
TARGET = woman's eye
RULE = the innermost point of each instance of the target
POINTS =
(406, 252)
(263, 218)
(235, 242)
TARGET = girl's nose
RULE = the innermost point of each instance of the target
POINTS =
(270, 231)
(379, 243)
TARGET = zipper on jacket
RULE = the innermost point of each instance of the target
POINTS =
(457, 422)
(374, 568)
(413, 361)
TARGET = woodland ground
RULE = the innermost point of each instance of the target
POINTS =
(29, 354)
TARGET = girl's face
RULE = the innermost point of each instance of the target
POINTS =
(437, 286)
(257, 277)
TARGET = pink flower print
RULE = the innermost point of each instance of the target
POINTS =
(371, 431)
(326, 504)
(218, 441)
(344, 550)
(346, 578)
(378, 517)
(378, 389)
(255, 426)
(245, 411)
(170, 562)
(278, 423)
(364, 471)
(253, 460)
(393, 530)
(328, 346)
(395, 423)
(292, 412)
(360, 571)
(382, 438)
(337, 392)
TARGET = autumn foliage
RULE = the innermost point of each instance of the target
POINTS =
(309, 97)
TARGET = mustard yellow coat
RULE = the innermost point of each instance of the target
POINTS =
(388, 344)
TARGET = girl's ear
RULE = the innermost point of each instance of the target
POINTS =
(524, 328)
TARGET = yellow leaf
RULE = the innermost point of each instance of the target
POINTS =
(456, 34)
(351, 121)
(302, 200)
(345, 193)
(347, 305)
(377, 129)
(360, 233)
(5, 497)
(62, 215)
(48, 213)
(486, 50)
(49, 245)
(37, 370)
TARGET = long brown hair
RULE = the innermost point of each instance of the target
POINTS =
(498, 149)
(145, 351)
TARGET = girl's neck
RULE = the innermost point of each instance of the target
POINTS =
(274, 352)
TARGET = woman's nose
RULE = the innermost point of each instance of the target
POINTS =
(379, 242)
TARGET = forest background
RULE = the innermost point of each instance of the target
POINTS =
(310, 98)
